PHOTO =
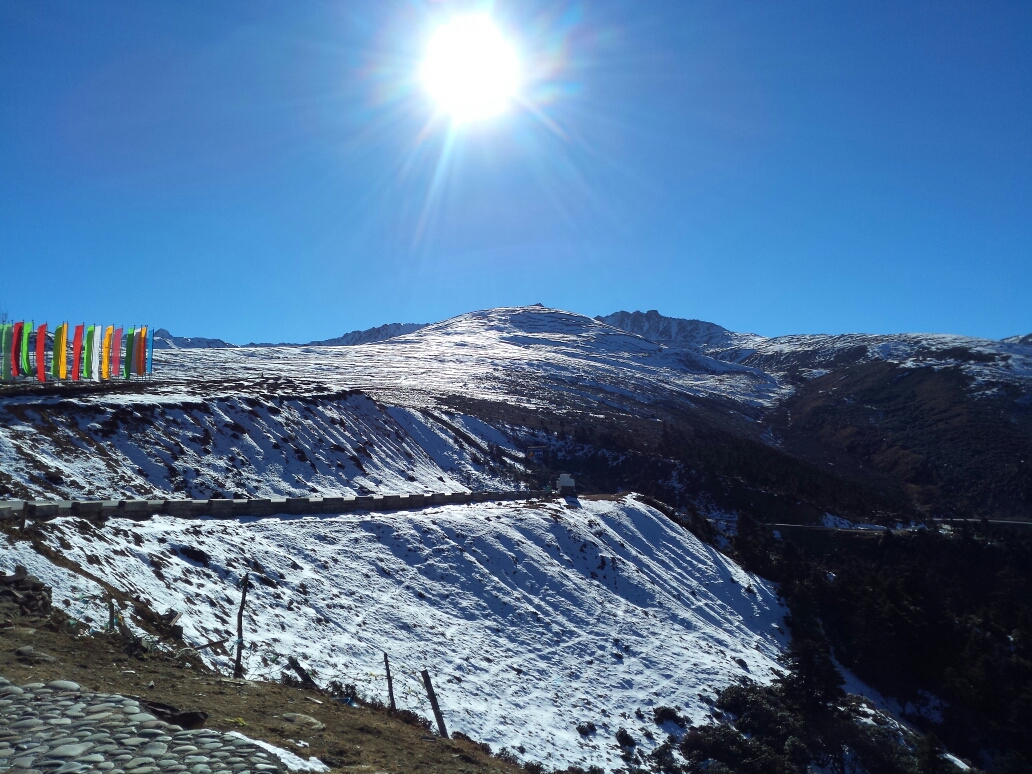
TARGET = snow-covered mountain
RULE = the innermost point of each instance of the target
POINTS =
(165, 340)
(676, 331)
(530, 355)
(802, 355)
(842, 423)
(813, 354)
(369, 335)
(287, 420)
(532, 618)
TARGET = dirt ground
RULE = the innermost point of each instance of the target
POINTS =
(355, 739)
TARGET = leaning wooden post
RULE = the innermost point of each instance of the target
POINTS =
(302, 673)
(433, 703)
(238, 670)
(390, 683)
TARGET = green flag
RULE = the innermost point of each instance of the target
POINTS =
(128, 370)
(6, 342)
(26, 332)
(88, 357)
(55, 361)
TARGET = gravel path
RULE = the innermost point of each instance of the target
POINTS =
(58, 728)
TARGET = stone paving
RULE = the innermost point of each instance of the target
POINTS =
(58, 728)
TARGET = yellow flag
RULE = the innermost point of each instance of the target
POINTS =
(105, 353)
(63, 351)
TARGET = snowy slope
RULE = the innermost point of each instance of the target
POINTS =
(139, 445)
(370, 335)
(354, 338)
(983, 359)
(531, 355)
(535, 356)
(531, 618)
(676, 331)
(165, 340)
(1008, 360)
(287, 421)
(515, 352)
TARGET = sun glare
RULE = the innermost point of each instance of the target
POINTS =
(470, 70)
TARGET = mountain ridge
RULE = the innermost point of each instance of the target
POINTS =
(354, 338)
(791, 430)
(706, 336)
(792, 426)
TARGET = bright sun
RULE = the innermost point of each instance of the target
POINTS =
(470, 70)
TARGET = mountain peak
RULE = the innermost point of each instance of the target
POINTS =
(370, 335)
(165, 340)
(670, 330)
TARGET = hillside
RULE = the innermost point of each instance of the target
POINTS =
(785, 428)
(543, 617)
(532, 618)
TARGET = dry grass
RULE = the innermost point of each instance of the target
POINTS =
(355, 739)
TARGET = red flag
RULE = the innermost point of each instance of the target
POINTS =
(41, 353)
(77, 352)
(19, 327)
(141, 351)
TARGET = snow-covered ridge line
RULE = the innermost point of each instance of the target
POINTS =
(268, 507)
(165, 340)
(985, 359)
(531, 356)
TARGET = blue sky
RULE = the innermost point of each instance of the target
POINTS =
(273, 171)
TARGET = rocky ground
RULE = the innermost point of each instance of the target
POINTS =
(74, 703)
(58, 726)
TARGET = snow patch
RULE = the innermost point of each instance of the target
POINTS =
(290, 760)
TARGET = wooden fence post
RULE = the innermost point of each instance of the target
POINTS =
(433, 703)
(238, 670)
(390, 683)
(302, 673)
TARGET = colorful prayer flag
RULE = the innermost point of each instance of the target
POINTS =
(77, 353)
(6, 341)
(41, 353)
(15, 353)
(97, 334)
(141, 351)
(54, 359)
(15, 350)
(58, 367)
(105, 363)
(64, 351)
(116, 353)
(129, 338)
(26, 332)
(87, 358)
